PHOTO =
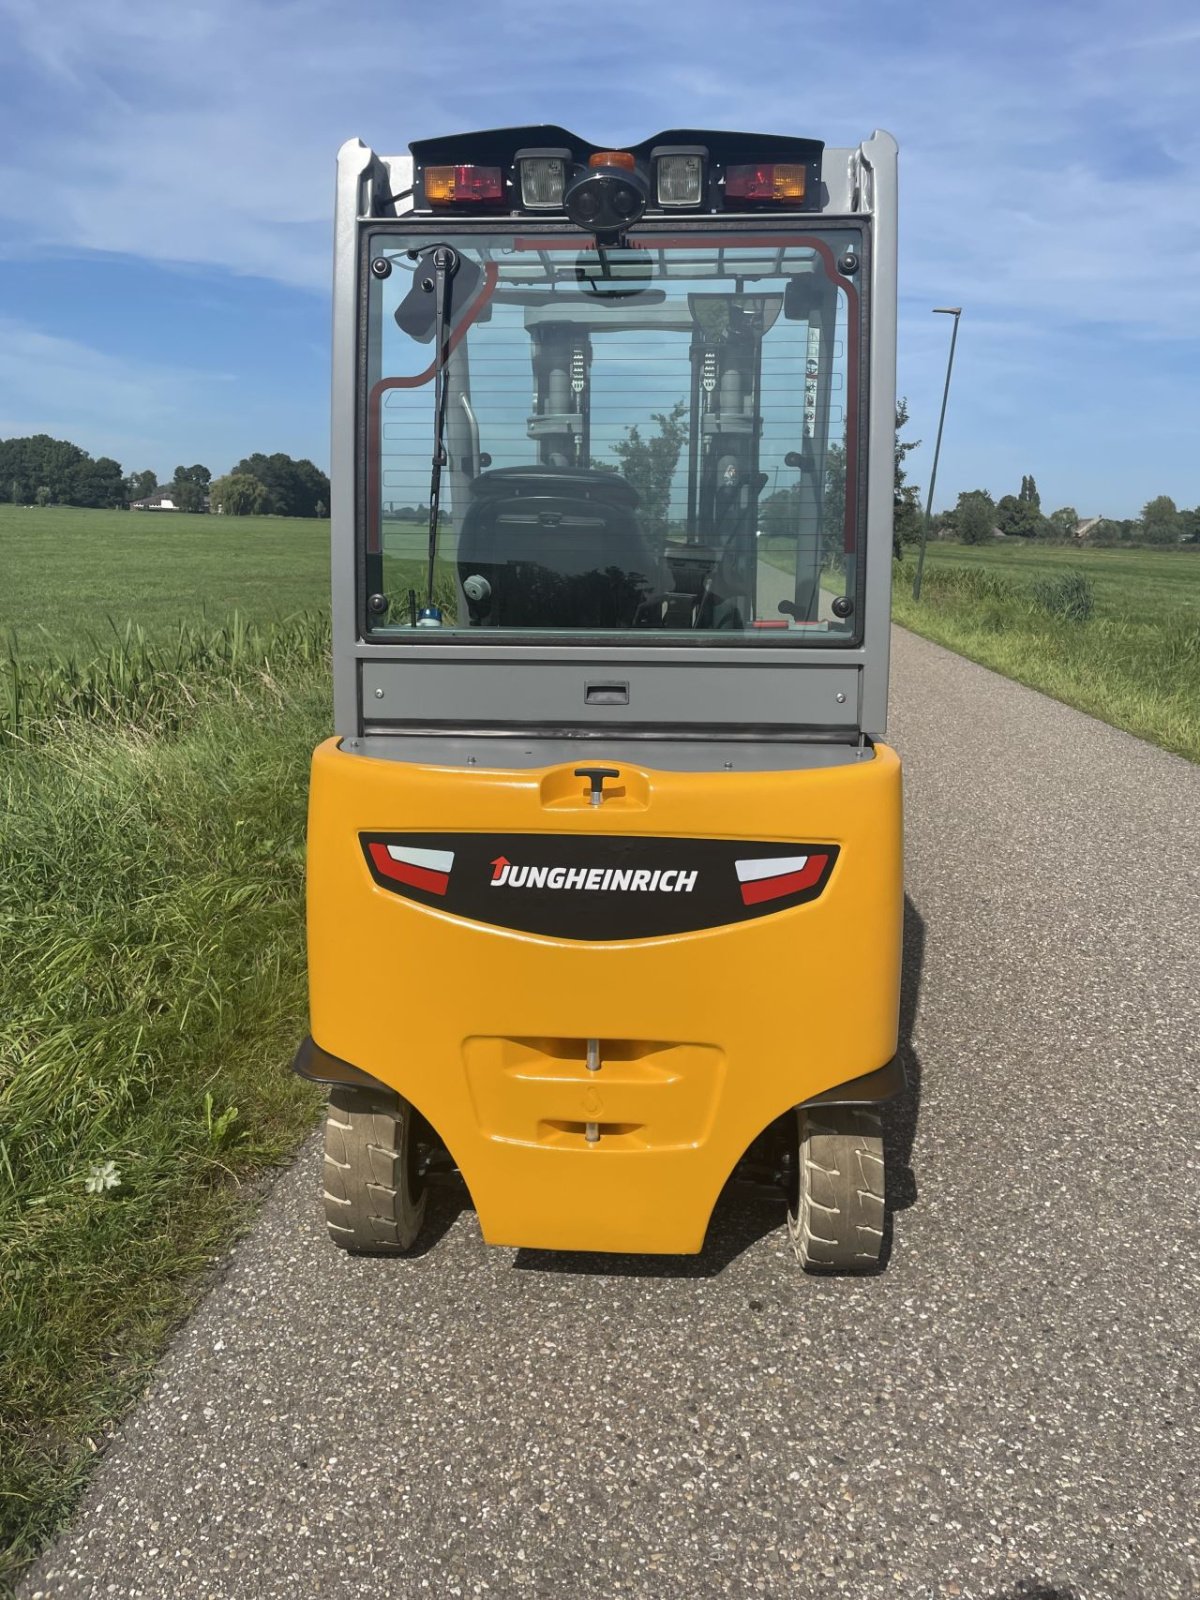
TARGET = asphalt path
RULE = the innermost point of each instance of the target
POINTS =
(1010, 1409)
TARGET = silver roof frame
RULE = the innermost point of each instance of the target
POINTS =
(806, 692)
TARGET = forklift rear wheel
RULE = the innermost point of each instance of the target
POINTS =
(374, 1187)
(836, 1221)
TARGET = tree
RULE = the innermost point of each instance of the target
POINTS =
(1189, 526)
(189, 487)
(39, 462)
(98, 483)
(1019, 519)
(1064, 522)
(907, 520)
(139, 485)
(294, 488)
(237, 494)
(976, 516)
(833, 508)
(1029, 492)
(1105, 532)
(1160, 520)
(649, 465)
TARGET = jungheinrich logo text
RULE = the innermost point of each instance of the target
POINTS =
(508, 874)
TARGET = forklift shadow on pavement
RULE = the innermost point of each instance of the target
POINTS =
(1038, 1591)
(755, 1200)
(900, 1117)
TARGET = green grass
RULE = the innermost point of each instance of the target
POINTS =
(1127, 582)
(139, 680)
(153, 776)
(152, 977)
(1135, 662)
(71, 577)
(152, 990)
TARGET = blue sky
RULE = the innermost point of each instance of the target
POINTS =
(166, 177)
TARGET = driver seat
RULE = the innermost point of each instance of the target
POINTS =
(554, 547)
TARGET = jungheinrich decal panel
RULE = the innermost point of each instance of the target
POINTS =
(598, 886)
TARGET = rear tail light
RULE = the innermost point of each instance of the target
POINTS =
(679, 180)
(453, 186)
(543, 181)
(772, 181)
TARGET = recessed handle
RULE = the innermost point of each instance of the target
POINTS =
(606, 694)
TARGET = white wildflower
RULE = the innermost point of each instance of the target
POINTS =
(102, 1177)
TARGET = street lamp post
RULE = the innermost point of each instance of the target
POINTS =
(945, 311)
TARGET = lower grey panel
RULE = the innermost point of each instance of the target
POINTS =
(670, 694)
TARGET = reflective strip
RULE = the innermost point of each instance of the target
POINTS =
(432, 860)
(774, 867)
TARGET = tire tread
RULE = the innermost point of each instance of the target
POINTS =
(368, 1207)
(837, 1223)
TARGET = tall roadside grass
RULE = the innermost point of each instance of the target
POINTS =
(151, 992)
(134, 679)
(1134, 665)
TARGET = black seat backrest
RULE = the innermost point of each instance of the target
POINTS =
(556, 548)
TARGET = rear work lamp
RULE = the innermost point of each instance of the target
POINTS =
(776, 182)
(463, 185)
(543, 178)
(679, 178)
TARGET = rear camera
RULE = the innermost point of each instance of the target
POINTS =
(606, 200)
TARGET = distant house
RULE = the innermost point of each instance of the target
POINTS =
(162, 500)
(1085, 525)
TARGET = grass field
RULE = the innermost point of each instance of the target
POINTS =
(1134, 662)
(67, 576)
(1138, 582)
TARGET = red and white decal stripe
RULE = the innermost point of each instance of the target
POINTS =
(776, 876)
(420, 869)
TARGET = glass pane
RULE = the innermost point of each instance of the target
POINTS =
(659, 437)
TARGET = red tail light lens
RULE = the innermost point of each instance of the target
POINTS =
(456, 186)
(774, 181)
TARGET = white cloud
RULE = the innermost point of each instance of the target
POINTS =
(126, 409)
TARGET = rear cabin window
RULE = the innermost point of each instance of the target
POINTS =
(651, 441)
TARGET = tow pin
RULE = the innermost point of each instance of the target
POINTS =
(596, 776)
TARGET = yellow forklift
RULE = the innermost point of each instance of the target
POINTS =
(604, 859)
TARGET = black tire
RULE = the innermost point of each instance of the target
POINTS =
(836, 1220)
(374, 1188)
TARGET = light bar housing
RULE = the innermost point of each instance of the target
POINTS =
(531, 170)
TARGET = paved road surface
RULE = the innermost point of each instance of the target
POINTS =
(1011, 1409)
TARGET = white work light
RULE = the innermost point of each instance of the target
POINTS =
(680, 179)
(543, 180)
